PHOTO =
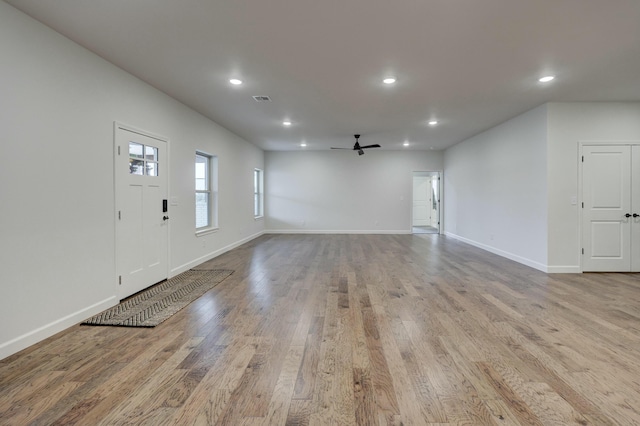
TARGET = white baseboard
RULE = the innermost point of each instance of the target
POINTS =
(21, 342)
(337, 231)
(185, 267)
(523, 260)
(32, 337)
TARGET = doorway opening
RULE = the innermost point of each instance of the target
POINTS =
(425, 218)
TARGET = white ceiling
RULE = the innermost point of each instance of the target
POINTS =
(471, 64)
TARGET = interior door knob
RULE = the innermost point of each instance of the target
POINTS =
(165, 217)
(627, 215)
(636, 215)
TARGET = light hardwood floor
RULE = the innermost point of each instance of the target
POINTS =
(353, 330)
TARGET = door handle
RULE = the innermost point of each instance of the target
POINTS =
(165, 217)
(636, 215)
(627, 215)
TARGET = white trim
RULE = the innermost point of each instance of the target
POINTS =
(206, 231)
(581, 145)
(118, 125)
(260, 193)
(211, 191)
(123, 126)
(580, 206)
(39, 334)
(338, 231)
(186, 266)
(440, 175)
(523, 260)
(609, 142)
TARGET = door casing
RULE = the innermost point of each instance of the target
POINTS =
(439, 178)
(634, 233)
(130, 281)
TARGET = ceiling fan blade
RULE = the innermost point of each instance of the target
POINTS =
(359, 148)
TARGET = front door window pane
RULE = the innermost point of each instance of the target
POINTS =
(151, 153)
(152, 169)
(143, 159)
(136, 167)
(135, 150)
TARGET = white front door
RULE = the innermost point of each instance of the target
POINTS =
(421, 208)
(141, 168)
(607, 226)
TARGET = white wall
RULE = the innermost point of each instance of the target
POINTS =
(58, 103)
(570, 123)
(495, 189)
(341, 192)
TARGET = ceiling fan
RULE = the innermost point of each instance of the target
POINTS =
(359, 148)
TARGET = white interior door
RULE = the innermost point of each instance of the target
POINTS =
(141, 224)
(606, 187)
(635, 208)
(421, 208)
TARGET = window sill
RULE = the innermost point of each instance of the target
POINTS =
(258, 217)
(205, 231)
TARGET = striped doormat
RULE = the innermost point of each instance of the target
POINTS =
(156, 304)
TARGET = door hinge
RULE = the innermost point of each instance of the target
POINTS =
(120, 279)
(582, 251)
(583, 205)
(583, 158)
(119, 215)
(118, 149)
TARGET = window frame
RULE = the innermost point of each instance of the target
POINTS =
(258, 193)
(211, 189)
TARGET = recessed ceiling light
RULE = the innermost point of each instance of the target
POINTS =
(235, 81)
(433, 123)
(406, 143)
(286, 123)
(389, 80)
(546, 78)
(303, 144)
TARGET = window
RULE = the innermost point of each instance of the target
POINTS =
(206, 191)
(143, 159)
(258, 193)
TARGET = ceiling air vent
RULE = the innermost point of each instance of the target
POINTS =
(262, 99)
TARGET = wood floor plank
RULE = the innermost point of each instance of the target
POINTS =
(101, 401)
(153, 389)
(281, 398)
(25, 414)
(307, 373)
(517, 405)
(352, 330)
(552, 372)
(323, 410)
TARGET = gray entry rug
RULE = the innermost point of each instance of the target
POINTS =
(156, 304)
